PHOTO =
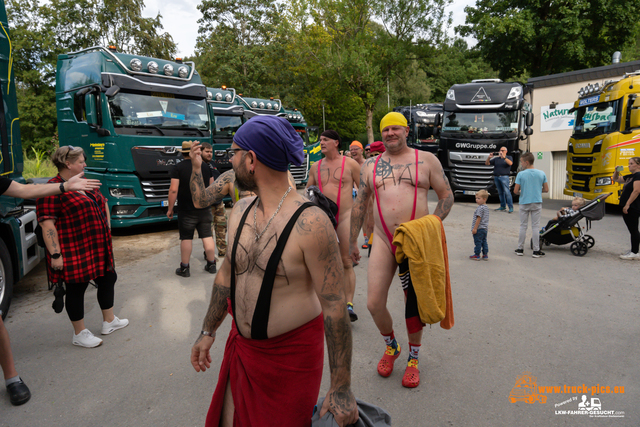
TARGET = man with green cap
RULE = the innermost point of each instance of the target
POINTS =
(400, 178)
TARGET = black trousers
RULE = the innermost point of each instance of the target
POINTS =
(74, 300)
(631, 220)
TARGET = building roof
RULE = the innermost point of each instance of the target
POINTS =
(597, 73)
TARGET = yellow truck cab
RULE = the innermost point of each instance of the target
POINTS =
(606, 134)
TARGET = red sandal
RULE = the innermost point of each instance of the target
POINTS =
(385, 365)
(411, 378)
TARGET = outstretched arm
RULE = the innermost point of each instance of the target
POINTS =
(440, 184)
(217, 311)
(34, 191)
(322, 256)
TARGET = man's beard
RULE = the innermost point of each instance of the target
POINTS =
(244, 180)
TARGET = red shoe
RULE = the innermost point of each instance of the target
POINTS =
(411, 378)
(365, 246)
(385, 365)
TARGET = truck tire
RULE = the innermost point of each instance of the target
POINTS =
(6, 279)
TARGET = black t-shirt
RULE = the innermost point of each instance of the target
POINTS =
(182, 171)
(215, 173)
(4, 184)
(628, 189)
(500, 167)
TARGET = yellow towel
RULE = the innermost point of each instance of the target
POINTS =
(424, 243)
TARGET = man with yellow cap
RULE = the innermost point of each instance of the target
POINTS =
(400, 178)
(336, 175)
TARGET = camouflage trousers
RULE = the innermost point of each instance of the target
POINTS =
(220, 228)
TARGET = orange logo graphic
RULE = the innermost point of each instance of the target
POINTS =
(526, 389)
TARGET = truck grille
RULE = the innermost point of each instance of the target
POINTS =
(470, 176)
(155, 189)
(300, 173)
(581, 182)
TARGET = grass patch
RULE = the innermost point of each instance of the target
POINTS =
(38, 167)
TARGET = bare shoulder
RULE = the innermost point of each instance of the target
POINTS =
(312, 220)
(352, 163)
(239, 208)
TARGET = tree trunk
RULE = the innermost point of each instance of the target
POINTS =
(369, 124)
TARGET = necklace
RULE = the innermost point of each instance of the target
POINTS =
(255, 211)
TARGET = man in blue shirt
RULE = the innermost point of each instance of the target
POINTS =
(530, 184)
(501, 171)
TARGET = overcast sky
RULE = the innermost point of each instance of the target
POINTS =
(180, 19)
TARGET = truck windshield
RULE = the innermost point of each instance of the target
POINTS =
(227, 125)
(162, 110)
(304, 135)
(598, 119)
(502, 121)
(425, 133)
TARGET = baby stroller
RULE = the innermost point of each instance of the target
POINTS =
(568, 230)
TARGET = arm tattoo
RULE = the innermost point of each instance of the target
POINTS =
(206, 196)
(339, 348)
(359, 208)
(445, 204)
(217, 308)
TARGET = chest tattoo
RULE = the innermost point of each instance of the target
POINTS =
(395, 174)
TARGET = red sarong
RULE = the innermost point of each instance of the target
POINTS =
(274, 382)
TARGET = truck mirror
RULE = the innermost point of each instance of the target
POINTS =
(528, 131)
(634, 120)
(112, 91)
(90, 109)
(438, 120)
(529, 120)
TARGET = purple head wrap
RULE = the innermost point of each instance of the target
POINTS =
(273, 139)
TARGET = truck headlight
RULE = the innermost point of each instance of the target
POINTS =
(514, 92)
(606, 180)
(122, 192)
(152, 66)
(135, 64)
(168, 70)
(451, 94)
(183, 72)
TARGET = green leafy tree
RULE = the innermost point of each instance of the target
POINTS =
(364, 54)
(542, 37)
(235, 46)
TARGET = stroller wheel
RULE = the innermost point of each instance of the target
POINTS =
(579, 248)
(589, 240)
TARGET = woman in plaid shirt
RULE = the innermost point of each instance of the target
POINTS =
(77, 234)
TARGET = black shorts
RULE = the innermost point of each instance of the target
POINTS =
(199, 219)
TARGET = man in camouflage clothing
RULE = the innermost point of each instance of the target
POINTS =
(219, 214)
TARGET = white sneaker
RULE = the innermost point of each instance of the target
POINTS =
(630, 255)
(86, 339)
(114, 325)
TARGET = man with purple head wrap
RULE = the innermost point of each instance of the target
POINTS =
(283, 280)
(273, 139)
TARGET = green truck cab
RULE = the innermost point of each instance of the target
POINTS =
(19, 250)
(130, 114)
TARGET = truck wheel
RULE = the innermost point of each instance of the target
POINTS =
(6, 279)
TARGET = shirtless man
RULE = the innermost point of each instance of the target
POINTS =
(398, 201)
(357, 152)
(284, 290)
(336, 179)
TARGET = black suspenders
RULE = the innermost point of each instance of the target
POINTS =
(260, 319)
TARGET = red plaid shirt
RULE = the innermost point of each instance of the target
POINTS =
(83, 233)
